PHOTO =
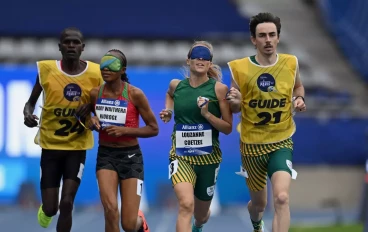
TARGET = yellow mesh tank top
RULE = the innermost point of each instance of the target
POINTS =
(62, 94)
(267, 99)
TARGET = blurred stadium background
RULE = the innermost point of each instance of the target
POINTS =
(328, 36)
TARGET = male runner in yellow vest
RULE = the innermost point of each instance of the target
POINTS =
(266, 88)
(66, 85)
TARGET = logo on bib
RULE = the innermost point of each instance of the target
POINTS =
(117, 103)
(266, 82)
(104, 124)
(200, 127)
(72, 92)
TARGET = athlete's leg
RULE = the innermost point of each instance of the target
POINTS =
(108, 182)
(50, 201)
(131, 174)
(203, 192)
(280, 187)
(72, 174)
(256, 167)
(185, 194)
(201, 212)
(68, 192)
(257, 205)
(130, 191)
(183, 179)
(280, 171)
(51, 173)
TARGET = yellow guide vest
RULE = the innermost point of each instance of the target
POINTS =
(62, 94)
(267, 91)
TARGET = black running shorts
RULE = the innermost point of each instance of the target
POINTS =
(57, 164)
(127, 162)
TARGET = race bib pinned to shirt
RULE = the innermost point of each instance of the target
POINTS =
(193, 139)
(111, 112)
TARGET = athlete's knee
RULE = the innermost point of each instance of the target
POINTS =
(281, 199)
(110, 209)
(50, 210)
(258, 202)
(66, 204)
(129, 224)
(186, 205)
(258, 206)
(203, 218)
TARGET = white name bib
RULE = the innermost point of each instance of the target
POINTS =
(193, 139)
(111, 112)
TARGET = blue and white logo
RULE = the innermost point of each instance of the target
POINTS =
(104, 124)
(117, 103)
(266, 82)
(72, 92)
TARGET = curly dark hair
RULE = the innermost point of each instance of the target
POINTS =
(264, 18)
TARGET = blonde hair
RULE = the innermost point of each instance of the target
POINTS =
(214, 71)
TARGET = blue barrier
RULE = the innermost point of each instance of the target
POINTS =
(347, 21)
(188, 19)
(336, 141)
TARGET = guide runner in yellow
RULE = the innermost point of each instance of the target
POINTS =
(266, 88)
(66, 85)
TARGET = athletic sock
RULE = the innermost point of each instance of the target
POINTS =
(257, 225)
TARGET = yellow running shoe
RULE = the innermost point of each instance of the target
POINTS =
(43, 220)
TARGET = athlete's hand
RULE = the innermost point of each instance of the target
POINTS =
(30, 120)
(83, 110)
(202, 103)
(234, 96)
(115, 131)
(94, 123)
(166, 115)
(299, 105)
